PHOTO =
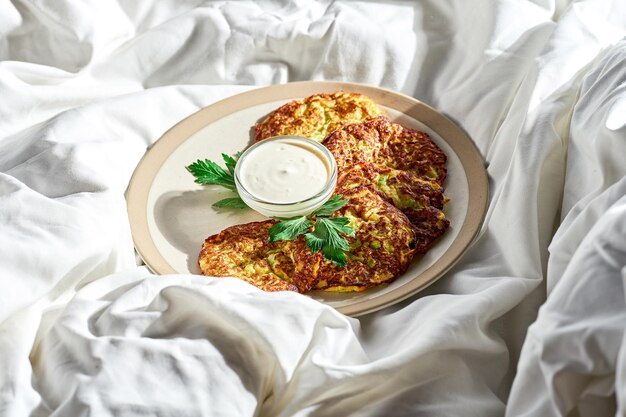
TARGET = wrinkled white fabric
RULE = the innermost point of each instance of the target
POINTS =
(571, 360)
(86, 87)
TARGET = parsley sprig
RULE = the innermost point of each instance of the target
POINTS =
(208, 172)
(326, 234)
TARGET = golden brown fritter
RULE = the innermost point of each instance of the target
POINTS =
(429, 223)
(382, 248)
(403, 188)
(316, 116)
(421, 201)
(244, 251)
(370, 154)
(383, 142)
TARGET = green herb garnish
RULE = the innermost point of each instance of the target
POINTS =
(208, 172)
(289, 229)
(326, 234)
(329, 207)
(230, 163)
(232, 202)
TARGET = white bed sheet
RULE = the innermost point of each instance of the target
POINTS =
(86, 87)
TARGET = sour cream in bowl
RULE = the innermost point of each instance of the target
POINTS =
(286, 176)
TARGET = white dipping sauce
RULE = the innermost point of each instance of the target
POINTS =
(284, 171)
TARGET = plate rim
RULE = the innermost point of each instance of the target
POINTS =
(470, 157)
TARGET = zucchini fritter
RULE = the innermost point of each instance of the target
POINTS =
(244, 251)
(316, 116)
(382, 248)
(383, 142)
(429, 223)
(421, 201)
(409, 176)
(403, 188)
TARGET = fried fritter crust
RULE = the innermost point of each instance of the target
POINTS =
(371, 154)
(244, 251)
(429, 223)
(403, 188)
(380, 141)
(421, 201)
(316, 116)
(382, 248)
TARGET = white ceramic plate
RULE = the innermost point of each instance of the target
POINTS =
(170, 215)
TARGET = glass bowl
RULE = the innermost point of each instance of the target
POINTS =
(291, 209)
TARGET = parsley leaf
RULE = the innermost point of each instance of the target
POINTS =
(233, 202)
(329, 207)
(327, 238)
(289, 229)
(335, 255)
(327, 234)
(336, 224)
(230, 163)
(314, 242)
(208, 172)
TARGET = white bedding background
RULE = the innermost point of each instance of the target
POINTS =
(87, 86)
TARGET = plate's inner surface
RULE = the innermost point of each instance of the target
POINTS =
(180, 215)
